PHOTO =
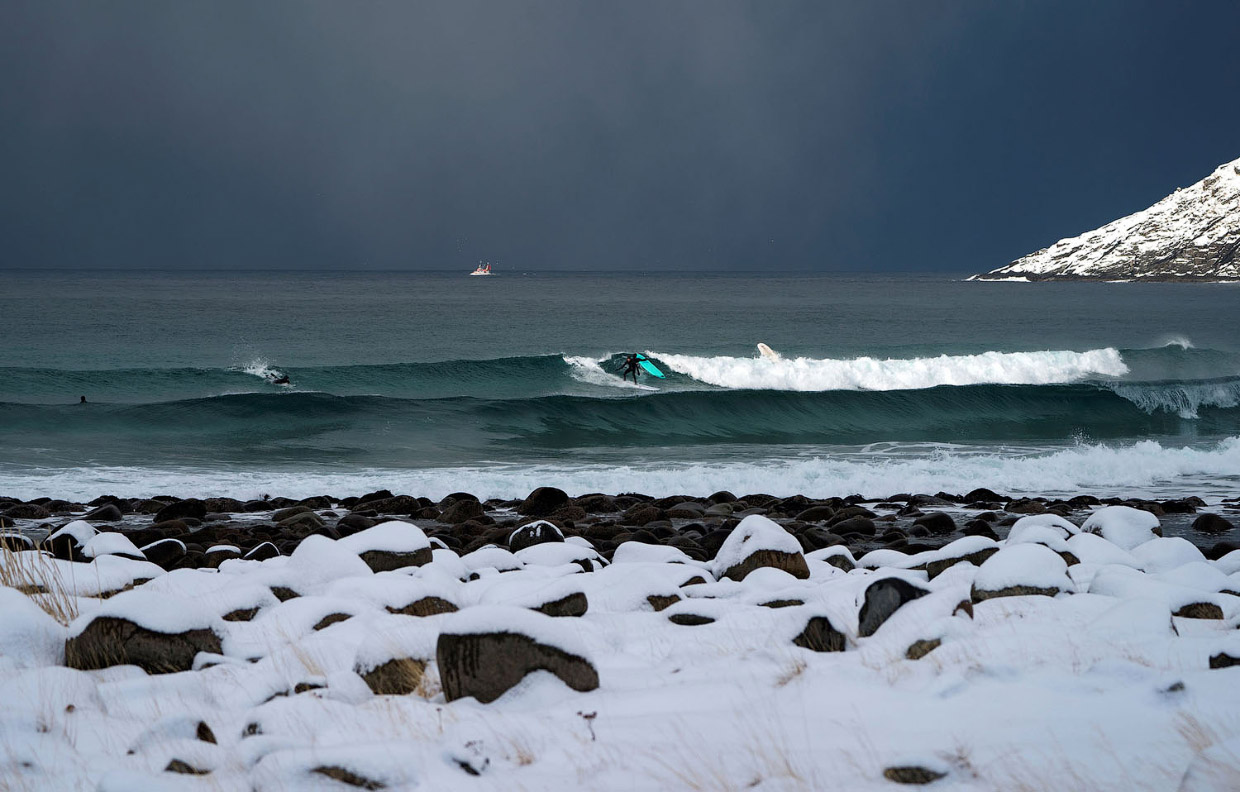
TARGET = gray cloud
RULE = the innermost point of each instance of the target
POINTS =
(576, 135)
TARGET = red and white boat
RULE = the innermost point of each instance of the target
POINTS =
(482, 270)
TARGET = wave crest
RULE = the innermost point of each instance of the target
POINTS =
(1181, 398)
(867, 373)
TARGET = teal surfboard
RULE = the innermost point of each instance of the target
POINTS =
(649, 367)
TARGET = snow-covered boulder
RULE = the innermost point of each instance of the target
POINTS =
(393, 658)
(390, 545)
(29, 637)
(533, 533)
(157, 632)
(1021, 569)
(1025, 529)
(484, 652)
(67, 542)
(111, 543)
(1123, 526)
(759, 542)
(972, 549)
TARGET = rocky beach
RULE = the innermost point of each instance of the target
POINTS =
(386, 641)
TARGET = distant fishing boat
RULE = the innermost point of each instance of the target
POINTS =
(482, 270)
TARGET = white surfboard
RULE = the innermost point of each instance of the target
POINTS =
(767, 352)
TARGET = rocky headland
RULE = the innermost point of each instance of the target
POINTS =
(1192, 235)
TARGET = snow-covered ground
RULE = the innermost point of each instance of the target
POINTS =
(702, 681)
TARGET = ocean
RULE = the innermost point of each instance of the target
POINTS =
(430, 383)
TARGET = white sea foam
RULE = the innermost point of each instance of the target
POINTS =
(1144, 469)
(867, 373)
(261, 368)
(1176, 340)
(590, 371)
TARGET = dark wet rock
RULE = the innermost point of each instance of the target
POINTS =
(849, 513)
(352, 523)
(190, 507)
(569, 513)
(1181, 506)
(1220, 549)
(1212, 524)
(16, 542)
(882, 599)
(218, 554)
(453, 498)
(256, 506)
(108, 512)
(57, 506)
(329, 531)
(164, 552)
(1153, 507)
(856, 526)
(377, 495)
(982, 494)
(107, 641)
(223, 505)
(722, 496)
(280, 515)
(241, 614)
(1026, 506)
(460, 511)
(816, 514)
(595, 503)
(938, 523)
(686, 510)
(642, 513)
(307, 521)
(1083, 501)
(487, 665)
(27, 511)
(400, 504)
(261, 552)
(542, 502)
(820, 635)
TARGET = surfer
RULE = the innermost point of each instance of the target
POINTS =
(630, 367)
(83, 401)
(280, 380)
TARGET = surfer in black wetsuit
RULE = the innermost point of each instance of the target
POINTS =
(630, 367)
(280, 380)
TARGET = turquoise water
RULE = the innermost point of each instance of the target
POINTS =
(434, 382)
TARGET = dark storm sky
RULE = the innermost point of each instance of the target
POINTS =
(865, 135)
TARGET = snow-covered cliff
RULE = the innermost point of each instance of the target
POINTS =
(1191, 235)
